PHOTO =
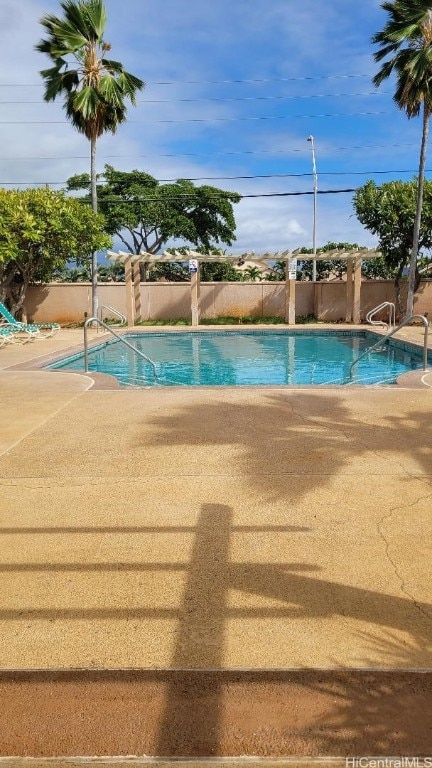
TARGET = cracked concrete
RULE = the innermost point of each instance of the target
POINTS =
(387, 517)
(259, 528)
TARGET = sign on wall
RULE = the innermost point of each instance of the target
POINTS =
(193, 266)
(292, 269)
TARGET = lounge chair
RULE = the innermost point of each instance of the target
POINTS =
(6, 336)
(10, 334)
(34, 330)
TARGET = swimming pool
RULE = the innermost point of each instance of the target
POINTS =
(248, 358)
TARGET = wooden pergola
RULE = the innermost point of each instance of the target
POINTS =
(132, 261)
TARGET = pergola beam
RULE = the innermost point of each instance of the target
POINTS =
(152, 258)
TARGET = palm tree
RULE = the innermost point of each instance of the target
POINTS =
(252, 273)
(406, 43)
(95, 89)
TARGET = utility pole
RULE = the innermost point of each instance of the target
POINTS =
(315, 193)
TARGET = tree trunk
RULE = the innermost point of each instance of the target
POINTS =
(94, 264)
(416, 235)
(399, 312)
(14, 291)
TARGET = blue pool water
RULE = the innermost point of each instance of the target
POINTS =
(248, 358)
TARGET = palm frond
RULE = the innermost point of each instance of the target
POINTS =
(86, 101)
(129, 86)
(96, 17)
(75, 16)
(44, 46)
(112, 66)
(110, 91)
(71, 80)
(384, 73)
(405, 52)
(65, 40)
(132, 82)
(63, 37)
(57, 82)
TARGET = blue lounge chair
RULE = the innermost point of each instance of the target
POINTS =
(34, 330)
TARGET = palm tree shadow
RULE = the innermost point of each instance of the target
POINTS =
(382, 712)
(199, 655)
(287, 444)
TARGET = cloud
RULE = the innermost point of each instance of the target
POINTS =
(299, 53)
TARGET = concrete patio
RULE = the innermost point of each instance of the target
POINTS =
(278, 528)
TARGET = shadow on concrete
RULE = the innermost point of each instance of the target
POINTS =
(210, 576)
(267, 713)
(293, 442)
(316, 437)
(300, 713)
(202, 621)
(374, 712)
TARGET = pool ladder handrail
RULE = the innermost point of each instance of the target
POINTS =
(392, 315)
(391, 333)
(91, 320)
(112, 311)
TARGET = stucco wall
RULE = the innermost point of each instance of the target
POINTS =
(67, 302)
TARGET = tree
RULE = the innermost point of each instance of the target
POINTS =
(145, 215)
(66, 274)
(220, 271)
(39, 231)
(406, 44)
(325, 268)
(109, 273)
(169, 271)
(95, 89)
(377, 269)
(389, 211)
(252, 273)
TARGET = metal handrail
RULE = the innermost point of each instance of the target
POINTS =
(392, 333)
(113, 311)
(120, 338)
(392, 314)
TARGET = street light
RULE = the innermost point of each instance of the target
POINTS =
(315, 192)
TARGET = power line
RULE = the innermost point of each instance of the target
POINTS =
(215, 82)
(232, 99)
(263, 98)
(211, 154)
(222, 195)
(242, 177)
(283, 175)
(257, 80)
(208, 119)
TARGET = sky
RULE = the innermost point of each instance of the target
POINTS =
(233, 89)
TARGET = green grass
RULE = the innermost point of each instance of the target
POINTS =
(245, 319)
(180, 321)
(229, 320)
(222, 320)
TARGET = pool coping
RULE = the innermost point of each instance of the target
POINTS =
(103, 381)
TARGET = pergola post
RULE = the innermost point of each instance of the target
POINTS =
(137, 292)
(357, 290)
(129, 291)
(195, 296)
(290, 298)
(349, 290)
